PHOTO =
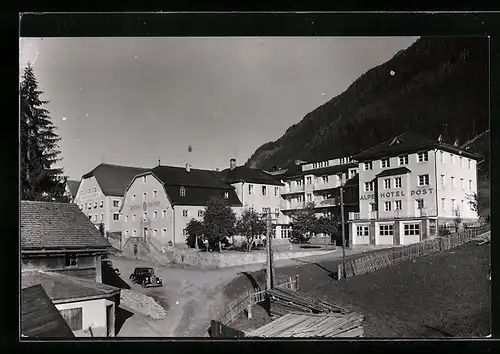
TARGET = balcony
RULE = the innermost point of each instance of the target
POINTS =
(293, 206)
(372, 215)
(292, 190)
(323, 186)
(328, 202)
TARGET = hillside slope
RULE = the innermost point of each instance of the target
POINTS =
(439, 86)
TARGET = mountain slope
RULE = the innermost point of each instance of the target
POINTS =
(439, 86)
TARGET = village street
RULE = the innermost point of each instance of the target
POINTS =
(192, 297)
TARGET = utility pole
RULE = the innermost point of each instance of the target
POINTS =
(269, 269)
(343, 229)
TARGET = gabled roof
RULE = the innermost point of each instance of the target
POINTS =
(247, 174)
(73, 186)
(46, 225)
(199, 185)
(39, 317)
(409, 142)
(62, 288)
(114, 179)
(394, 172)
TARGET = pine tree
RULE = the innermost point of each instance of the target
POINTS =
(40, 180)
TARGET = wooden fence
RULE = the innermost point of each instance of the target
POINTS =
(372, 262)
(250, 298)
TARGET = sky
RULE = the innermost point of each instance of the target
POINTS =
(132, 101)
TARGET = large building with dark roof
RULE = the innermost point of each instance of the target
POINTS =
(101, 191)
(409, 186)
(159, 203)
(60, 238)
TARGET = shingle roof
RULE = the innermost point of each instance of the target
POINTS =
(406, 143)
(114, 179)
(64, 288)
(247, 174)
(73, 186)
(47, 225)
(394, 172)
(39, 316)
(199, 185)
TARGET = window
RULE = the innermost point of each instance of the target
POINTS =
(277, 212)
(420, 203)
(155, 215)
(73, 318)
(462, 185)
(133, 197)
(403, 160)
(397, 182)
(226, 195)
(126, 233)
(362, 231)
(182, 192)
(164, 213)
(134, 233)
(70, 260)
(101, 203)
(116, 216)
(453, 204)
(95, 217)
(250, 189)
(200, 213)
(116, 203)
(386, 230)
(144, 179)
(423, 180)
(368, 186)
(412, 229)
(470, 184)
(299, 199)
(387, 183)
(89, 191)
(443, 181)
(155, 232)
(276, 190)
(126, 218)
(443, 204)
(308, 180)
(373, 207)
(90, 217)
(452, 159)
(398, 205)
(468, 162)
(452, 181)
(101, 217)
(164, 232)
(352, 173)
(144, 196)
(155, 194)
(309, 197)
(185, 213)
(299, 182)
(385, 163)
(144, 216)
(95, 189)
(133, 217)
(442, 156)
(461, 205)
(422, 156)
(368, 166)
(387, 206)
(95, 205)
(461, 161)
(89, 205)
(264, 190)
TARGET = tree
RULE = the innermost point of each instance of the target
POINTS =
(326, 225)
(474, 203)
(303, 224)
(251, 225)
(194, 229)
(457, 218)
(219, 221)
(40, 180)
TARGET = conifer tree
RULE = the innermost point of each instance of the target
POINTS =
(40, 180)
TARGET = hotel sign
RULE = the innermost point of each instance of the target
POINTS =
(90, 196)
(144, 205)
(417, 192)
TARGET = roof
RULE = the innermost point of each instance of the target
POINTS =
(312, 325)
(46, 225)
(247, 174)
(409, 142)
(62, 288)
(73, 186)
(394, 172)
(352, 182)
(39, 316)
(331, 169)
(200, 185)
(114, 179)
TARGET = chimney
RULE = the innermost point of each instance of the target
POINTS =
(232, 164)
(217, 169)
(188, 167)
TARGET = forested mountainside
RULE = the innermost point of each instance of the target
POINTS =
(439, 86)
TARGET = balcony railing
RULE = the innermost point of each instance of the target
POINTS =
(395, 214)
(372, 215)
(294, 189)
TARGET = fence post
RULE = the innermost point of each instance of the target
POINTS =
(249, 311)
(297, 282)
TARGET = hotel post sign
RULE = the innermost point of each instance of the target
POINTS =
(392, 194)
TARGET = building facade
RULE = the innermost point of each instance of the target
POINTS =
(409, 186)
(158, 205)
(101, 191)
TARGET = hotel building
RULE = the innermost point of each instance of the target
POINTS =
(101, 191)
(408, 187)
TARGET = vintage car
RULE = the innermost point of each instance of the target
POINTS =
(107, 266)
(146, 277)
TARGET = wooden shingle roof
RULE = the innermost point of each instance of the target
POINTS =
(39, 317)
(46, 225)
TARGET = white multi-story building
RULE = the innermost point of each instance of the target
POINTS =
(409, 186)
(101, 191)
